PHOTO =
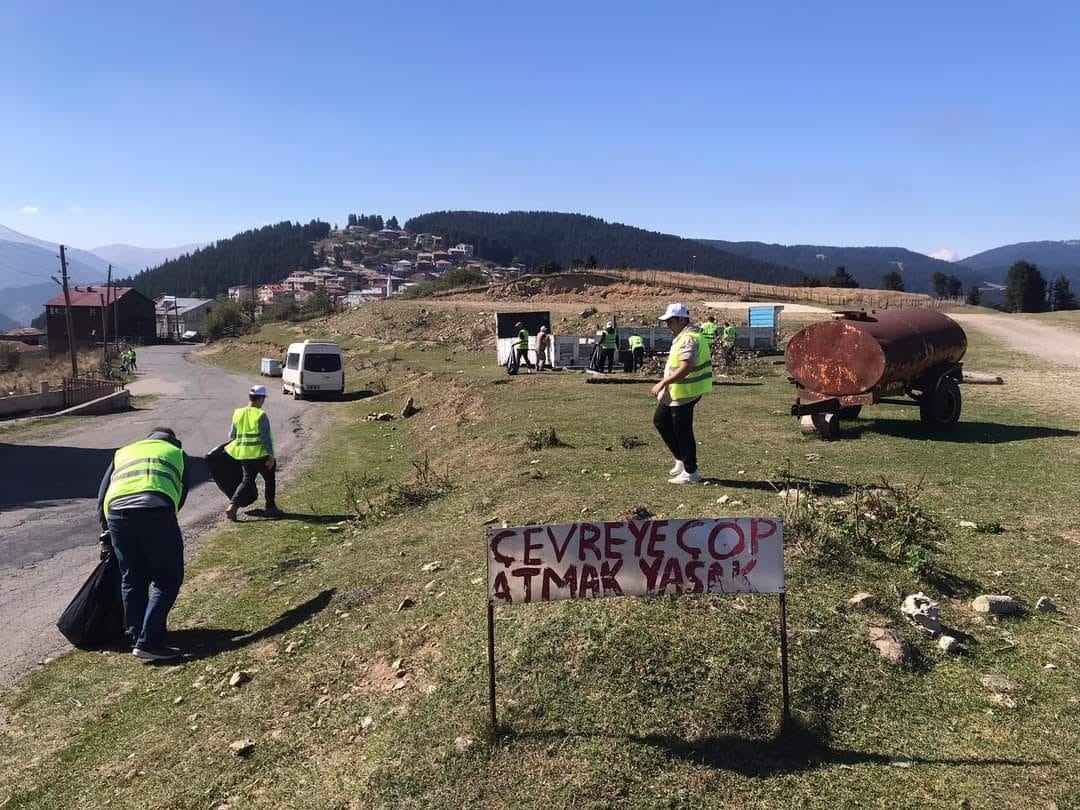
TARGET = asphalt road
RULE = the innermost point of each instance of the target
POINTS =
(49, 483)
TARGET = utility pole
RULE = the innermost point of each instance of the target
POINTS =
(115, 312)
(104, 334)
(67, 314)
(252, 295)
(105, 313)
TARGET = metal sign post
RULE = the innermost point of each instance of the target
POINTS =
(491, 664)
(783, 657)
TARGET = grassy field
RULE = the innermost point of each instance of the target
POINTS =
(357, 702)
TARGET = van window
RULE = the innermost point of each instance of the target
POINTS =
(322, 363)
(293, 361)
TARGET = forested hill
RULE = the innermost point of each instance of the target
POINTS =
(867, 264)
(264, 255)
(536, 237)
(1053, 258)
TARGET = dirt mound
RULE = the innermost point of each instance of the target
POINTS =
(568, 288)
(402, 320)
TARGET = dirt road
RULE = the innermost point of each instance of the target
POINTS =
(48, 489)
(1043, 340)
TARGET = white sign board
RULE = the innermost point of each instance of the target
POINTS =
(635, 558)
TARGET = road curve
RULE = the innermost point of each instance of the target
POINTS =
(48, 489)
(1041, 339)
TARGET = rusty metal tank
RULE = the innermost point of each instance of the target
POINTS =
(861, 352)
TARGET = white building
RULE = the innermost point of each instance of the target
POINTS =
(175, 316)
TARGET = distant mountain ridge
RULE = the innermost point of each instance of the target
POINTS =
(867, 264)
(1053, 258)
(134, 259)
(536, 237)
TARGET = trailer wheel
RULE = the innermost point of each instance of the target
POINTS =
(827, 425)
(940, 408)
(851, 412)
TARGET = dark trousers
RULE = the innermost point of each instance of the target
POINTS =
(607, 359)
(639, 358)
(675, 424)
(150, 551)
(253, 469)
(523, 356)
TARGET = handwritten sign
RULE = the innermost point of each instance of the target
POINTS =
(635, 558)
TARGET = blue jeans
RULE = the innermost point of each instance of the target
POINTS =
(150, 551)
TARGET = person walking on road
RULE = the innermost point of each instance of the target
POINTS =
(687, 377)
(522, 345)
(133, 361)
(637, 349)
(609, 342)
(142, 490)
(252, 444)
(543, 348)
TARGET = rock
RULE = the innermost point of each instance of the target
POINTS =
(292, 647)
(1005, 701)
(1049, 666)
(405, 604)
(398, 686)
(948, 644)
(723, 499)
(1046, 605)
(476, 580)
(463, 744)
(999, 684)
(178, 700)
(334, 529)
(242, 748)
(367, 722)
(922, 612)
(889, 644)
(995, 603)
(409, 409)
(239, 678)
(968, 524)
(862, 600)
(432, 567)
(431, 586)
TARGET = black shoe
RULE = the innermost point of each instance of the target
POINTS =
(149, 655)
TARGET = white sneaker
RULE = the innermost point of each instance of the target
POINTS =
(686, 478)
(678, 469)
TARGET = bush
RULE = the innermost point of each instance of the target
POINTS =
(450, 280)
(226, 320)
(540, 438)
(9, 356)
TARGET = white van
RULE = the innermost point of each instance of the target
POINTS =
(313, 367)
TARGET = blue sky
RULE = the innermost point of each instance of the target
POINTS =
(937, 126)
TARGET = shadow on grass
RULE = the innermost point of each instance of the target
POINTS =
(726, 384)
(204, 642)
(795, 748)
(962, 433)
(299, 517)
(828, 489)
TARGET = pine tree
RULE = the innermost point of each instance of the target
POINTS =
(841, 278)
(973, 295)
(893, 281)
(954, 287)
(1025, 288)
(939, 284)
(1061, 294)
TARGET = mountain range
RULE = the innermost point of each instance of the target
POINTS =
(1052, 258)
(28, 263)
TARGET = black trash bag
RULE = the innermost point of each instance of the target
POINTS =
(227, 473)
(95, 617)
(512, 363)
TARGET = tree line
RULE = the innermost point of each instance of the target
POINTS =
(1026, 290)
(259, 256)
(548, 239)
(373, 222)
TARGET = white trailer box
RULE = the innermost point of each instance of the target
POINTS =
(270, 367)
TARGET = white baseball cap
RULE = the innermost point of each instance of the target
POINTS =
(675, 311)
(610, 325)
(257, 391)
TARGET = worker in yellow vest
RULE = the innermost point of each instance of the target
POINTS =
(252, 444)
(709, 329)
(140, 494)
(687, 378)
(637, 349)
(609, 342)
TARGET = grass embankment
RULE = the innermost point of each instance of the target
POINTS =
(624, 702)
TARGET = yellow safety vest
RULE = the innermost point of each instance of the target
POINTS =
(611, 339)
(523, 339)
(699, 380)
(150, 465)
(637, 342)
(708, 329)
(730, 332)
(247, 445)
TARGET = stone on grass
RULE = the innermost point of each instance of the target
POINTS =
(367, 722)
(996, 603)
(463, 744)
(409, 409)
(862, 600)
(922, 612)
(1046, 604)
(242, 748)
(999, 684)
(1005, 701)
(405, 604)
(432, 567)
(890, 644)
(292, 647)
(948, 644)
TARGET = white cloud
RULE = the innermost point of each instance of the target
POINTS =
(76, 210)
(945, 254)
(29, 209)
